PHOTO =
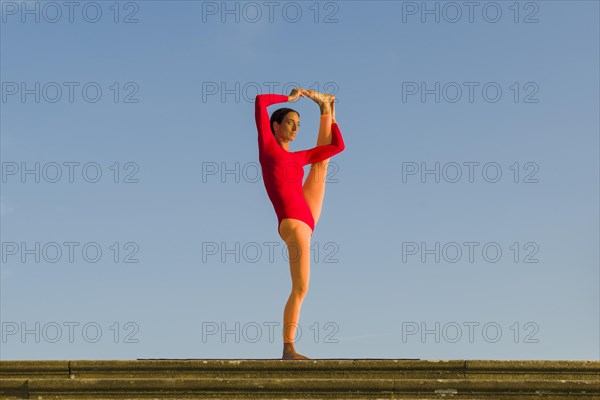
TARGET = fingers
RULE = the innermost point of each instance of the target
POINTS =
(295, 94)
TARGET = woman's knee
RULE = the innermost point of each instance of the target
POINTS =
(294, 232)
(299, 290)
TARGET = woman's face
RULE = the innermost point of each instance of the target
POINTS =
(288, 129)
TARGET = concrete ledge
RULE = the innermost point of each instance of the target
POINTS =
(287, 379)
(45, 369)
(340, 369)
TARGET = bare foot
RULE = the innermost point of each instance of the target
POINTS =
(322, 99)
(294, 356)
(289, 353)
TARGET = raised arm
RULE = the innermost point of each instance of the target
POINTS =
(323, 152)
(262, 101)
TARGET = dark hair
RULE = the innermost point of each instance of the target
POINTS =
(278, 116)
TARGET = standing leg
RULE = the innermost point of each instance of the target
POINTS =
(314, 185)
(296, 235)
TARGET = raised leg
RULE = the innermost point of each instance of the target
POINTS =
(296, 234)
(313, 188)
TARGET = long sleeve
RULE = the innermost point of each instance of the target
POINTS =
(262, 101)
(323, 152)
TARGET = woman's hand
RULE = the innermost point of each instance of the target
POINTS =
(295, 94)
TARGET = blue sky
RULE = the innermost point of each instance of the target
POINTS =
(173, 139)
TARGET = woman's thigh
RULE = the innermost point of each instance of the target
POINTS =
(296, 235)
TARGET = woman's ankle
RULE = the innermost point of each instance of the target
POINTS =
(289, 347)
(325, 109)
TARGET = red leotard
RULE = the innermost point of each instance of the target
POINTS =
(282, 170)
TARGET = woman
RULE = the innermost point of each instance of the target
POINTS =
(297, 205)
